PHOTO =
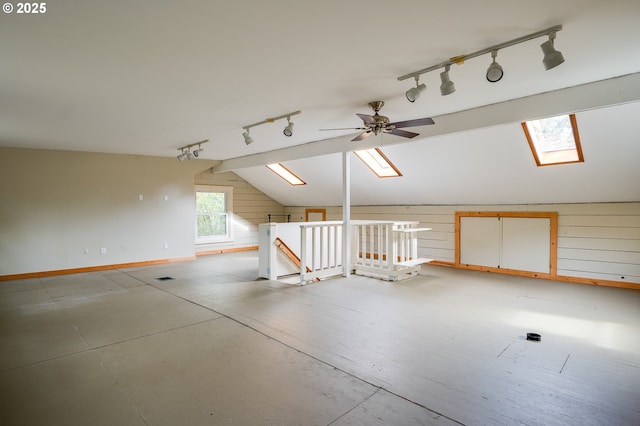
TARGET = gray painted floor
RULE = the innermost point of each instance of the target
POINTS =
(217, 346)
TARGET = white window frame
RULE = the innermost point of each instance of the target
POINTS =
(378, 163)
(562, 155)
(228, 191)
(286, 174)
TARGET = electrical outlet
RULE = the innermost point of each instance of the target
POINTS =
(86, 251)
(166, 245)
(141, 197)
(103, 250)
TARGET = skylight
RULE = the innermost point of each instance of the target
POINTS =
(285, 174)
(378, 163)
(554, 140)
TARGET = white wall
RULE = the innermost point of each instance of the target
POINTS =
(250, 208)
(597, 241)
(58, 209)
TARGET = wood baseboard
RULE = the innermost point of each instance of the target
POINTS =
(577, 280)
(593, 281)
(117, 265)
(565, 278)
(226, 250)
(92, 268)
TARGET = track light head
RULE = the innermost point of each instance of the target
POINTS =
(552, 57)
(288, 131)
(414, 93)
(447, 87)
(247, 139)
(189, 152)
(494, 72)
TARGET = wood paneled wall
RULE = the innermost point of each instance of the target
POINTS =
(599, 241)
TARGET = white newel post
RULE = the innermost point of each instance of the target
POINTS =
(346, 214)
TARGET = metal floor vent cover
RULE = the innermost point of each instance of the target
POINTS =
(164, 278)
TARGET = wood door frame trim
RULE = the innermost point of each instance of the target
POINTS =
(307, 211)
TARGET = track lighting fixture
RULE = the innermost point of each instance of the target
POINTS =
(187, 152)
(447, 87)
(414, 93)
(247, 139)
(494, 72)
(552, 58)
(288, 131)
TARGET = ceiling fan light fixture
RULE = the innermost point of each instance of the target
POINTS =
(414, 93)
(494, 72)
(552, 57)
(447, 87)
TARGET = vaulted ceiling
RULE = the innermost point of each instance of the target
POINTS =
(147, 77)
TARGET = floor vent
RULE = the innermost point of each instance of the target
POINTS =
(164, 278)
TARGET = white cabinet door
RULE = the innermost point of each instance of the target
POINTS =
(519, 243)
(480, 241)
(525, 244)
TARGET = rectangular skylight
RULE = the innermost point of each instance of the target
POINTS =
(378, 163)
(554, 140)
(285, 174)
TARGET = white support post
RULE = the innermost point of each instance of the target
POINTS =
(346, 214)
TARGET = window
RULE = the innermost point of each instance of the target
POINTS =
(286, 174)
(378, 163)
(554, 140)
(213, 213)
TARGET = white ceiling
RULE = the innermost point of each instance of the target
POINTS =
(146, 77)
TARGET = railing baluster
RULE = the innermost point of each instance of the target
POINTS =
(323, 246)
(303, 254)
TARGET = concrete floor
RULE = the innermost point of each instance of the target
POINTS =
(217, 346)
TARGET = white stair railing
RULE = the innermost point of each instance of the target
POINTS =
(320, 250)
(386, 249)
(381, 249)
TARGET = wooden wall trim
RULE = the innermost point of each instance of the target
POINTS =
(226, 250)
(118, 265)
(307, 211)
(92, 269)
(564, 278)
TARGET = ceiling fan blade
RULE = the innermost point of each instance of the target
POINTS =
(413, 123)
(368, 119)
(402, 133)
(362, 136)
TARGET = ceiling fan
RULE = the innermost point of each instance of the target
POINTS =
(374, 124)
